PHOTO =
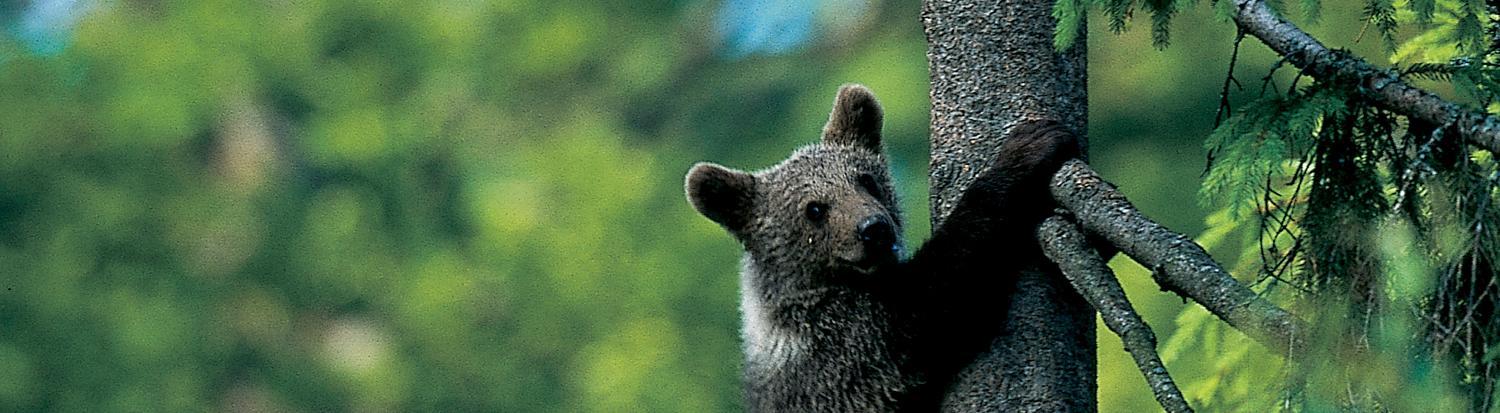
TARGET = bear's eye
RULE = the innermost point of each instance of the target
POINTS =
(816, 211)
(867, 182)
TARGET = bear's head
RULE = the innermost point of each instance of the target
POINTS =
(826, 213)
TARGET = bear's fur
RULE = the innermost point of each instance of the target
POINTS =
(834, 319)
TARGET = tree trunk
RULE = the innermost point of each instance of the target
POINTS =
(992, 64)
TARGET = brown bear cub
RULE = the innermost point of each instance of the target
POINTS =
(835, 320)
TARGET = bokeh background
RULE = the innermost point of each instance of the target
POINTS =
(321, 205)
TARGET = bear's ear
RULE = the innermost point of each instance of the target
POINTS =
(855, 120)
(724, 195)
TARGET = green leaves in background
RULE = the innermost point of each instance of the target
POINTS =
(218, 205)
(1369, 225)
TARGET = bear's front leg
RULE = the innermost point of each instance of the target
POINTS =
(1002, 207)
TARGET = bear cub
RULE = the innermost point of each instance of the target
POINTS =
(835, 317)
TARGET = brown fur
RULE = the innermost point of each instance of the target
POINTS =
(835, 319)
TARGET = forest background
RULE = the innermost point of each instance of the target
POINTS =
(477, 206)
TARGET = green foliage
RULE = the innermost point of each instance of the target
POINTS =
(1424, 10)
(1261, 145)
(1399, 264)
(1069, 15)
(1161, 19)
(1217, 366)
(1382, 15)
(1451, 30)
(1313, 10)
(1461, 19)
(1375, 227)
(1118, 12)
(325, 206)
(1441, 72)
(1470, 33)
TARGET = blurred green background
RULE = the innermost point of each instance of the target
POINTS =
(322, 205)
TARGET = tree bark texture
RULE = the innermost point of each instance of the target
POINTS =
(1178, 264)
(992, 64)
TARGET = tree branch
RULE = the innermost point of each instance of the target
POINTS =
(1382, 87)
(1081, 265)
(1177, 263)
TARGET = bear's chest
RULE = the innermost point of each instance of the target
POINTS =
(769, 344)
(824, 327)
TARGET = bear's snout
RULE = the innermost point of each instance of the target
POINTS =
(878, 236)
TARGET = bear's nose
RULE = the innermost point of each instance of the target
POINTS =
(877, 233)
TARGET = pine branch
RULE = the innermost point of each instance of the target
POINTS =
(1177, 263)
(1085, 269)
(1382, 87)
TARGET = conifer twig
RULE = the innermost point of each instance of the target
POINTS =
(1085, 269)
(1382, 87)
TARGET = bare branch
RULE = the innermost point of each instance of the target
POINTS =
(1177, 263)
(1382, 87)
(1081, 265)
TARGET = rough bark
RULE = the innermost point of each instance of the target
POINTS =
(992, 63)
(1381, 87)
(1178, 264)
(1091, 276)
